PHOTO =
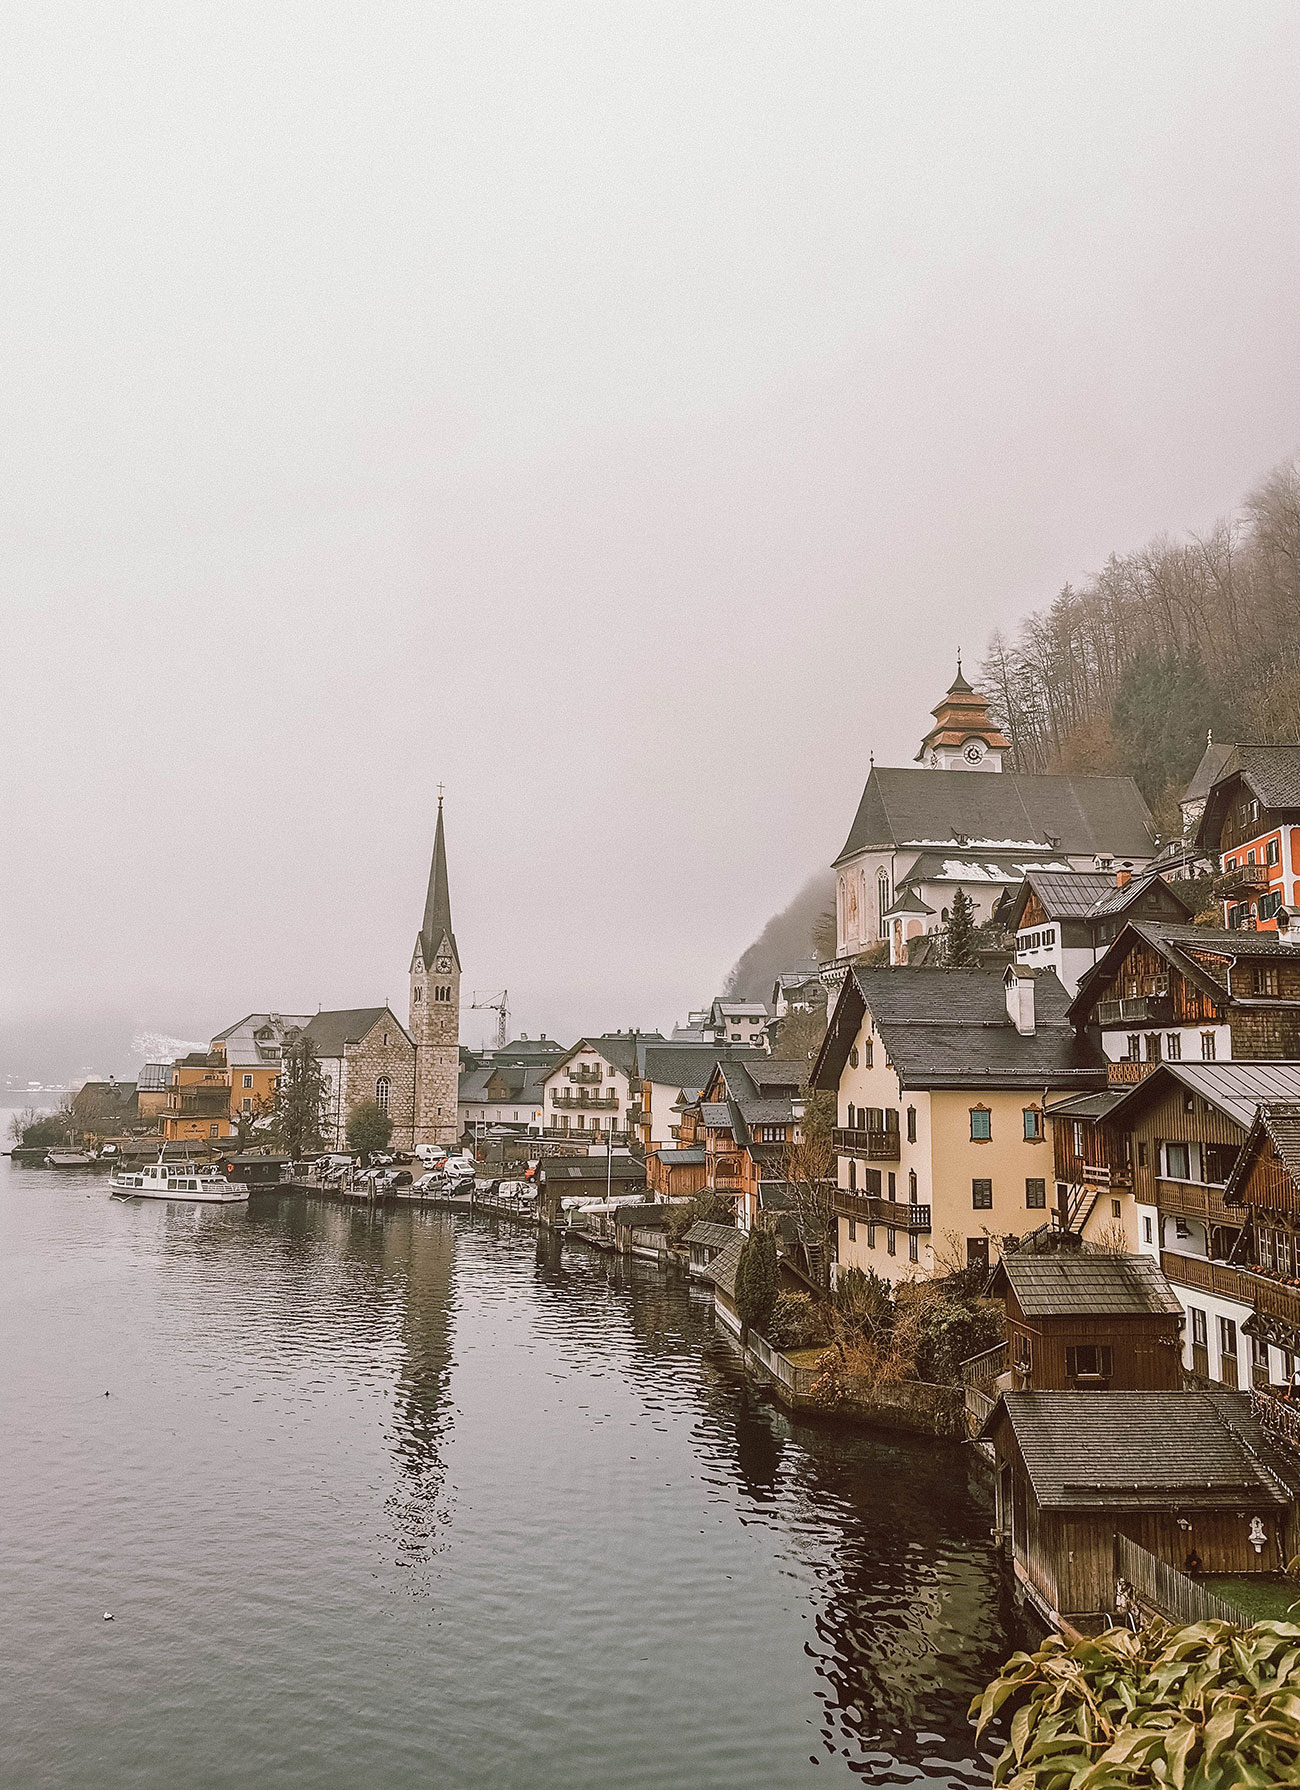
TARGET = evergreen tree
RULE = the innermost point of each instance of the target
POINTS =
(1163, 709)
(960, 949)
(756, 1282)
(300, 1098)
(369, 1128)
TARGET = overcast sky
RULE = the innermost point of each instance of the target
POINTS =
(619, 413)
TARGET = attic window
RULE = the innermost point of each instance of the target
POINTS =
(853, 1056)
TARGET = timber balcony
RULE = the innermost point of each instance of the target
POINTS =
(1120, 1075)
(1137, 1010)
(870, 1209)
(1273, 1296)
(1249, 879)
(587, 1103)
(585, 1076)
(1278, 1418)
(869, 1146)
(729, 1168)
(1194, 1199)
(562, 1132)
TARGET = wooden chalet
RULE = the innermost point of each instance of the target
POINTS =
(676, 1171)
(1064, 919)
(1247, 823)
(1189, 1476)
(1078, 1321)
(1180, 1132)
(705, 1241)
(1165, 993)
(1264, 1191)
(749, 1116)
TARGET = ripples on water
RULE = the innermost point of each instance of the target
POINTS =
(377, 1497)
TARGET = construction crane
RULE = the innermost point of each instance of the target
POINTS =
(500, 1005)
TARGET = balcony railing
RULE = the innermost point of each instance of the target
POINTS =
(1120, 1075)
(872, 1146)
(1194, 1199)
(597, 1103)
(586, 1137)
(1137, 1010)
(1247, 879)
(586, 1075)
(1278, 1418)
(868, 1209)
(1209, 1277)
(729, 1168)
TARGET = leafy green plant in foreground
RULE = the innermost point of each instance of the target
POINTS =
(1208, 1707)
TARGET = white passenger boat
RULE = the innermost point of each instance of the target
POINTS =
(177, 1181)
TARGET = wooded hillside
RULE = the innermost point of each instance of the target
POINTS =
(1128, 671)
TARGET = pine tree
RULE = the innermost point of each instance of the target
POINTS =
(960, 952)
(300, 1098)
(756, 1282)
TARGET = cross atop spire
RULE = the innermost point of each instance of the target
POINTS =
(437, 902)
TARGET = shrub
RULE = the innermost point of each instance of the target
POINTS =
(796, 1322)
(1208, 1707)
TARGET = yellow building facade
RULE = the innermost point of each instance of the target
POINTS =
(942, 1078)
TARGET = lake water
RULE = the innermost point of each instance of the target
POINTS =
(388, 1498)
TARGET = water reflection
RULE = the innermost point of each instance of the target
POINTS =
(507, 1513)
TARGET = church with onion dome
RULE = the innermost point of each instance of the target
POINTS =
(959, 817)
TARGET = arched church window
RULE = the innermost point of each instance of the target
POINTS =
(419, 994)
(381, 1093)
(882, 899)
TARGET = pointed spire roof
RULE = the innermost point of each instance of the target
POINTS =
(437, 903)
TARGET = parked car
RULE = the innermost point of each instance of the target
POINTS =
(431, 1155)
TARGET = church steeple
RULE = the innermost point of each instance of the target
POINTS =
(965, 737)
(437, 902)
(435, 1007)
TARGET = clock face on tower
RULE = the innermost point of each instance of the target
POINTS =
(443, 965)
(974, 751)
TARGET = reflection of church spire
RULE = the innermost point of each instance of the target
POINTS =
(421, 1404)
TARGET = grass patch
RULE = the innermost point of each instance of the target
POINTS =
(1262, 1598)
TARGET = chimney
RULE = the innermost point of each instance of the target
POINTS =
(1123, 878)
(1019, 985)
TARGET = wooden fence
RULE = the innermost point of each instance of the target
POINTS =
(1169, 1591)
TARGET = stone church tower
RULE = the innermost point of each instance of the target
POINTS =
(435, 1009)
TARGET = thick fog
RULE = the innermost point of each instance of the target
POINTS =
(618, 414)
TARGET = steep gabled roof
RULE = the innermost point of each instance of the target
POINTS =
(331, 1033)
(1080, 1285)
(1083, 815)
(1277, 1122)
(1208, 772)
(1234, 1089)
(1183, 948)
(947, 1028)
(1270, 773)
(1131, 1450)
(722, 1269)
(624, 1050)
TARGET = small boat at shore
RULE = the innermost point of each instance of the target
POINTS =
(69, 1158)
(177, 1181)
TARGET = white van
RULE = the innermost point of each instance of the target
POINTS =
(431, 1155)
